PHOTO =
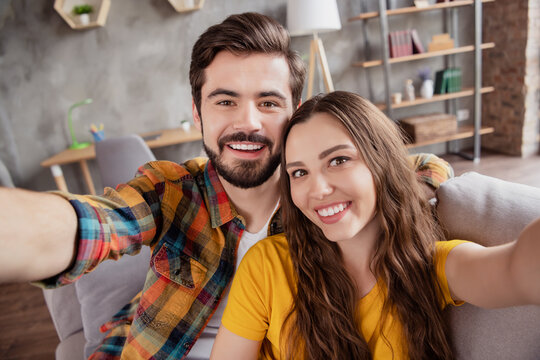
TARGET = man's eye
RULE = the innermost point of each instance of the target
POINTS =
(298, 173)
(338, 161)
(268, 104)
(225, 102)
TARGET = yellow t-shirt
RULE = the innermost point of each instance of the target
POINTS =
(261, 297)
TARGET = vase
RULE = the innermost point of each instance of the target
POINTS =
(426, 90)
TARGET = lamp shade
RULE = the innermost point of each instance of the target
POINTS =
(305, 17)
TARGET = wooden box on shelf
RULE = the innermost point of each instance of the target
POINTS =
(186, 5)
(426, 127)
(98, 16)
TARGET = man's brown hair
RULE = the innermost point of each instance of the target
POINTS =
(245, 34)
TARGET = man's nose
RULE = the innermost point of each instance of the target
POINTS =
(248, 119)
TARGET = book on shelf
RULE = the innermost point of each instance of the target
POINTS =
(447, 81)
(418, 48)
(400, 43)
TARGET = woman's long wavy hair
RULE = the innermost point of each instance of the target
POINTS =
(322, 320)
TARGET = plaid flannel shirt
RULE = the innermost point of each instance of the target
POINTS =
(183, 213)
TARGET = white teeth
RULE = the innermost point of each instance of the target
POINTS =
(332, 210)
(245, 147)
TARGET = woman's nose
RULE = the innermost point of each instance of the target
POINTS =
(320, 187)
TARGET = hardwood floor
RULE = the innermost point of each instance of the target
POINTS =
(26, 329)
(520, 170)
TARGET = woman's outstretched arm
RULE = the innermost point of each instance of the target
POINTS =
(229, 346)
(499, 276)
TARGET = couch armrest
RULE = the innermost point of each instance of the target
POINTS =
(490, 211)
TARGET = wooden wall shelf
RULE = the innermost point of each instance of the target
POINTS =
(186, 5)
(97, 18)
(414, 9)
(457, 50)
(435, 98)
(463, 132)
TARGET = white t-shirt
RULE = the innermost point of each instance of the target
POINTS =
(203, 346)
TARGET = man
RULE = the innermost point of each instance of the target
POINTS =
(199, 218)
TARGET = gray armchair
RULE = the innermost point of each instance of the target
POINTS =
(78, 310)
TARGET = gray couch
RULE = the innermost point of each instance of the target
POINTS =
(474, 207)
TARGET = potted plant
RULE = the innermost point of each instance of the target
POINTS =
(83, 11)
(185, 125)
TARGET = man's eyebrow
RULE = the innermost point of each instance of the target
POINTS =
(325, 153)
(293, 164)
(221, 91)
(273, 93)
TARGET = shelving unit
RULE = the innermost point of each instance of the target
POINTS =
(414, 9)
(457, 50)
(186, 5)
(98, 17)
(463, 132)
(435, 98)
(385, 61)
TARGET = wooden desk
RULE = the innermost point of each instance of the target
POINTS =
(69, 156)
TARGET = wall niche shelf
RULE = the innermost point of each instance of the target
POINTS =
(98, 17)
(186, 5)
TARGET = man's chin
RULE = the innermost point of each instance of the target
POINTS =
(245, 174)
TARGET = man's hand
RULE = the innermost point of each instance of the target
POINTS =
(37, 235)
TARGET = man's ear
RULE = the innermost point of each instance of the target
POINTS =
(196, 116)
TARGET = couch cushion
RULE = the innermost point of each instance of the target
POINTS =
(490, 211)
(65, 310)
(104, 291)
(71, 348)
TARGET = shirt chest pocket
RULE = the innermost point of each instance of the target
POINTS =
(179, 268)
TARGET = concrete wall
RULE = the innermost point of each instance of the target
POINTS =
(136, 70)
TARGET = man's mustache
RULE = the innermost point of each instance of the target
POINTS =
(242, 137)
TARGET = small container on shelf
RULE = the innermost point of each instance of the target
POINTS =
(408, 90)
(426, 89)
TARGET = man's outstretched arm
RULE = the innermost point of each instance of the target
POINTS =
(37, 235)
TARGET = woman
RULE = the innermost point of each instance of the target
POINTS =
(361, 273)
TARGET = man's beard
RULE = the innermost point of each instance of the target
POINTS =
(244, 174)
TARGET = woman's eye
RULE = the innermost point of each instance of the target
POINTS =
(298, 173)
(338, 161)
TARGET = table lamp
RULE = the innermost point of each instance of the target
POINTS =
(306, 17)
(74, 143)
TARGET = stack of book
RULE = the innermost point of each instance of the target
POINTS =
(447, 81)
(404, 43)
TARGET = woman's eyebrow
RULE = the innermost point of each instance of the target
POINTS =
(327, 152)
(293, 164)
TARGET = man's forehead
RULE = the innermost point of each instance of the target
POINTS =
(254, 74)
